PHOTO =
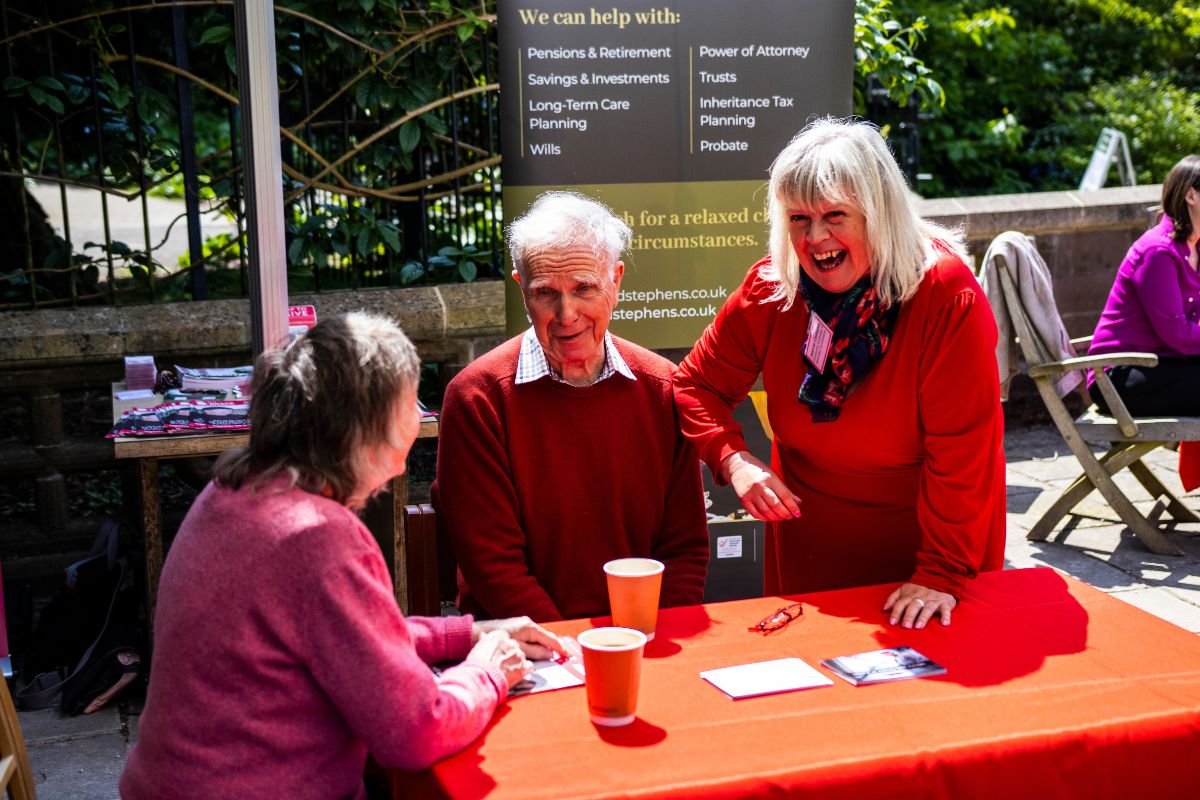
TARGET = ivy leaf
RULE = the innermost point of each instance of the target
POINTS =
(362, 93)
(51, 83)
(54, 104)
(77, 94)
(389, 234)
(295, 249)
(13, 84)
(381, 157)
(435, 124)
(412, 271)
(465, 31)
(216, 35)
(467, 270)
(410, 136)
(364, 241)
(367, 5)
(423, 89)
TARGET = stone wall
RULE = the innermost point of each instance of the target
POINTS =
(1082, 236)
(449, 324)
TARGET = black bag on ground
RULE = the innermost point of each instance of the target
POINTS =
(88, 646)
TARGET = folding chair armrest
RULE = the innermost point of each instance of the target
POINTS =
(1116, 406)
(1096, 362)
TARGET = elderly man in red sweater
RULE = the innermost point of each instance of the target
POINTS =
(560, 449)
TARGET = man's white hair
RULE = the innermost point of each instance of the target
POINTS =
(561, 220)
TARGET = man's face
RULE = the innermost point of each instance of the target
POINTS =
(570, 296)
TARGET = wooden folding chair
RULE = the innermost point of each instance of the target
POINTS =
(16, 775)
(1129, 438)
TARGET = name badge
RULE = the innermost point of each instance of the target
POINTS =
(816, 345)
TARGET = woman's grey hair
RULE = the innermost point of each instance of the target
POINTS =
(1183, 176)
(319, 405)
(847, 161)
(559, 220)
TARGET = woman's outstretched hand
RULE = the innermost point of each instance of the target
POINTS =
(761, 491)
(498, 649)
(535, 641)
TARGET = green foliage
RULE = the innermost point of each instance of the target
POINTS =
(450, 265)
(367, 89)
(1163, 119)
(1030, 84)
(1012, 95)
(885, 50)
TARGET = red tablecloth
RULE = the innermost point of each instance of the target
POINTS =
(1054, 689)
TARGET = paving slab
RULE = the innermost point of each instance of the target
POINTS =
(1165, 605)
(49, 725)
(79, 769)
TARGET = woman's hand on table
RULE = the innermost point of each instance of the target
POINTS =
(761, 491)
(498, 649)
(913, 605)
(535, 642)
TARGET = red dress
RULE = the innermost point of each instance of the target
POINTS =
(908, 483)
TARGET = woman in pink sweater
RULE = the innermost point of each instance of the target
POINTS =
(281, 658)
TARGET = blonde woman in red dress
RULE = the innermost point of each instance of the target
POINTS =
(876, 349)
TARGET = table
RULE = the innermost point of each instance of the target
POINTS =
(1053, 689)
(384, 516)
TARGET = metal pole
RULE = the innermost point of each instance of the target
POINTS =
(258, 94)
(187, 155)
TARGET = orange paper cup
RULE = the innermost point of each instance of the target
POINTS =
(612, 666)
(633, 587)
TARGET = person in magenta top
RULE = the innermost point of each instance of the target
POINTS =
(876, 349)
(1154, 307)
(281, 658)
(560, 449)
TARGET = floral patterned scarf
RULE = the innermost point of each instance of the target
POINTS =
(862, 331)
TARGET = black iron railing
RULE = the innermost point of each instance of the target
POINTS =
(121, 124)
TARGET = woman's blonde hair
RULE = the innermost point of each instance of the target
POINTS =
(847, 161)
(319, 405)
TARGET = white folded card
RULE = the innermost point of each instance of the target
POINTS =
(135, 394)
(765, 677)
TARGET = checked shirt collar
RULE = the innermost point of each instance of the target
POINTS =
(532, 363)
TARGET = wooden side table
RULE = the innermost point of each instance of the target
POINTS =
(384, 515)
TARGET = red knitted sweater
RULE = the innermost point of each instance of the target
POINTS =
(539, 484)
